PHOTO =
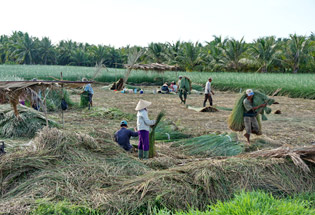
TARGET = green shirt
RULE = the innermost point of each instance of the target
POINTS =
(248, 105)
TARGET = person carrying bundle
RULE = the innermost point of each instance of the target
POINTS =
(184, 86)
(143, 127)
(89, 91)
(250, 121)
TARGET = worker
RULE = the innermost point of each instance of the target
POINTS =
(183, 88)
(173, 87)
(122, 136)
(164, 88)
(250, 121)
(89, 90)
(208, 92)
(143, 127)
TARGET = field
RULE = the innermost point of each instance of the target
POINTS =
(293, 85)
(78, 169)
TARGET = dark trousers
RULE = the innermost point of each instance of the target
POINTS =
(181, 93)
(207, 97)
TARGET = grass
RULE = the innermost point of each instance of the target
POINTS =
(210, 145)
(255, 202)
(293, 85)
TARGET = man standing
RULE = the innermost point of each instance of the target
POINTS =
(250, 121)
(122, 137)
(208, 92)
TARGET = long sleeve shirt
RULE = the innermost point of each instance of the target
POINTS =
(122, 137)
(143, 121)
(208, 87)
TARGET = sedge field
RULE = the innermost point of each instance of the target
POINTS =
(292, 85)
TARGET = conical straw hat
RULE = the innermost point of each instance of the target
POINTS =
(143, 104)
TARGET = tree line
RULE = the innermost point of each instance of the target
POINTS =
(295, 54)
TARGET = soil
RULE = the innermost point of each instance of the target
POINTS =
(295, 125)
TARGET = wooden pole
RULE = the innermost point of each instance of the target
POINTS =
(62, 97)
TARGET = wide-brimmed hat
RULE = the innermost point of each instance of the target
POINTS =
(142, 104)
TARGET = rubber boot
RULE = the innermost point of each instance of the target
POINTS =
(145, 155)
(140, 154)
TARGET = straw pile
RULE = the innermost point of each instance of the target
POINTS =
(199, 183)
(62, 166)
(236, 120)
(96, 172)
(26, 125)
(210, 145)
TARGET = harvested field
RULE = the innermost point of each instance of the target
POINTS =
(82, 165)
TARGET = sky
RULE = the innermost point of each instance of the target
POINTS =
(138, 22)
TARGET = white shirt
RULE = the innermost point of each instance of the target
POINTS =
(208, 87)
(143, 121)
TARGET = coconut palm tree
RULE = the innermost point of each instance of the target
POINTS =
(155, 53)
(65, 51)
(47, 51)
(190, 56)
(297, 51)
(233, 51)
(26, 49)
(264, 51)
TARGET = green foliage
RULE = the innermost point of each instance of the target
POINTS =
(168, 131)
(258, 202)
(62, 208)
(210, 145)
(255, 202)
(53, 99)
(296, 86)
(84, 99)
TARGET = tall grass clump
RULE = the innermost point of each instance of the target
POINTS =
(254, 202)
(258, 202)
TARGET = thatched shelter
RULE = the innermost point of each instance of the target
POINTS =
(10, 91)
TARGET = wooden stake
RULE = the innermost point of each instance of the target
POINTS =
(62, 97)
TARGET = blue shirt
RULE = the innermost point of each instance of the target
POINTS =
(89, 89)
(122, 138)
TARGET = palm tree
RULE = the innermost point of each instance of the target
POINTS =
(26, 49)
(297, 51)
(99, 53)
(155, 52)
(232, 53)
(65, 51)
(47, 51)
(190, 57)
(264, 51)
